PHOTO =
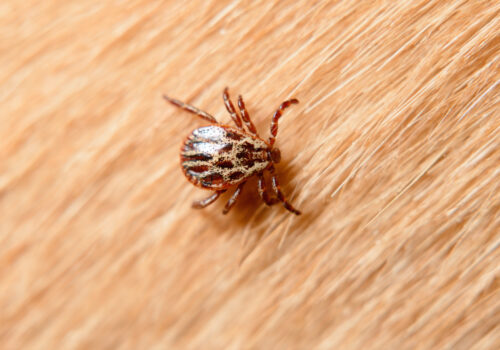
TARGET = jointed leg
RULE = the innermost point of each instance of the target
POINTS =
(233, 198)
(245, 116)
(263, 192)
(280, 195)
(276, 116)
(209, 200)
(231, 110)
(191, 109)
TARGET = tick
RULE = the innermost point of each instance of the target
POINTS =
(218, 157)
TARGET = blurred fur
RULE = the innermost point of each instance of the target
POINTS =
(393, 155)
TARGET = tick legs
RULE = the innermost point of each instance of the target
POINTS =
(279, 194)
(209, 200)
(246, 117)
(233, 198)
(263, 192)
(230, 109)
(235, 116)
(191, 109)
(276, 116)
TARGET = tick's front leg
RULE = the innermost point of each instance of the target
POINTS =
(246, 117)
(276, 116)
(230, 108)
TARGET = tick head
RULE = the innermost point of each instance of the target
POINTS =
(275, 155)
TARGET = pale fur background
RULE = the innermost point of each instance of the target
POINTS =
(393, 155)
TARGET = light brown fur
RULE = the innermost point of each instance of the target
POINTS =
(393, 156)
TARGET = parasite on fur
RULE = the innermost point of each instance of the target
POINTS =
(217, 157)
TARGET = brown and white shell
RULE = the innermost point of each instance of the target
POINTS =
(217, 156)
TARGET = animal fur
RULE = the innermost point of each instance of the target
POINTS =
(393, 155)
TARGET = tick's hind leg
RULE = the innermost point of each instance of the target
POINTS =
(263, 192)
(233, 198)
(246, 117)
(191, 109)
(280, 195)
(209, 200)
(231, 110)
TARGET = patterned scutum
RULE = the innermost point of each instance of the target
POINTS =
(219, 157)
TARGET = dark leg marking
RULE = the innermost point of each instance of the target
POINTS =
(231, 110)
(233, 198)
(279, 194)
(276, 116)
(191, 109)
(246, 117)
(263, 192)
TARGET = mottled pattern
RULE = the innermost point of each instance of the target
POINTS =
(218, 157)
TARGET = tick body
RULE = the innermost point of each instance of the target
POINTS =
(217, 157)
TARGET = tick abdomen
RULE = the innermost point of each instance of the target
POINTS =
(218, 157)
